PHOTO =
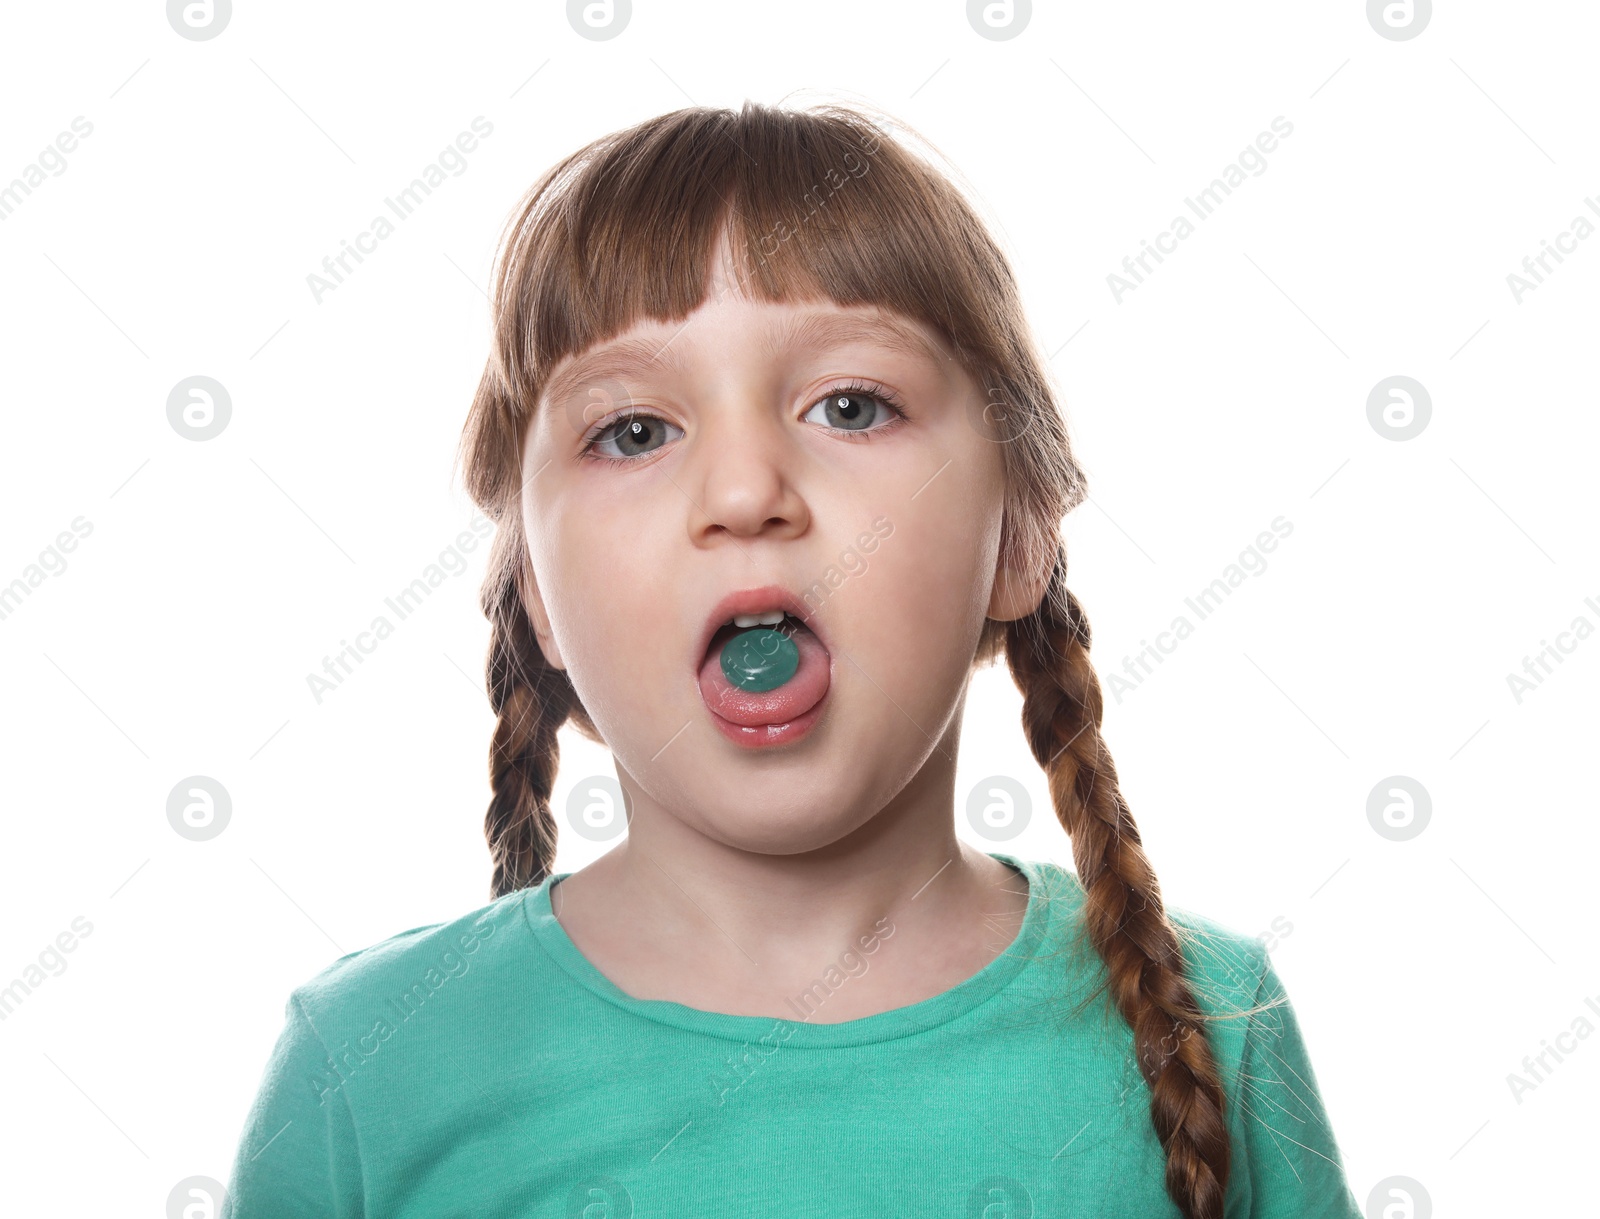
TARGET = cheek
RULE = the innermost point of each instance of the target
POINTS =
(944, 546)
(613, 612)
(926, 589)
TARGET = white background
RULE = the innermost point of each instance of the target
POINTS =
(1228, 390)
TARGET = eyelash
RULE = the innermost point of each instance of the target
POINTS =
(868, 389)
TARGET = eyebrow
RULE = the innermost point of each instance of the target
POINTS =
(817, 330)
(626, 358)
(615, 361)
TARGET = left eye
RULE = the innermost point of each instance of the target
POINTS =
(850, 409)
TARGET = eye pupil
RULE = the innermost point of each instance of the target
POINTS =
(852, 409)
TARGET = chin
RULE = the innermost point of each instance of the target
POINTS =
(795, 828)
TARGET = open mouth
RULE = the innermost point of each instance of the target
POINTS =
(759, 623)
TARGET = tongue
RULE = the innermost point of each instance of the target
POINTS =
(753, 708)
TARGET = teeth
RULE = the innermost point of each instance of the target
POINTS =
(770, 618)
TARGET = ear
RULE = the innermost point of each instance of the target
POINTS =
(1019, 587)
(533, 603)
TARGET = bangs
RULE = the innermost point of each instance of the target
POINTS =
(814, 205)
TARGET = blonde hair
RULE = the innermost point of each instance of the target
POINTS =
(826, 203)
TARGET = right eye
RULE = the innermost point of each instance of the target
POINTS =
(635, 434)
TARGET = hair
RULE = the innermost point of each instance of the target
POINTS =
(824, 203)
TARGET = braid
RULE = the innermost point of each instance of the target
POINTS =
(1048, 655)
(532, 700)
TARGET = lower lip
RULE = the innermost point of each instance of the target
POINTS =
(767, 719)
(764, 736)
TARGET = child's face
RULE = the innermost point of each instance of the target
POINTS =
(745, 478)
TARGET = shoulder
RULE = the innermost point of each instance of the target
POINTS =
(1234, 985)
(299, 1148)
(410, 966)
(1226, 966)
(1227, 969)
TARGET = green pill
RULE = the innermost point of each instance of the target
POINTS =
(759, 659)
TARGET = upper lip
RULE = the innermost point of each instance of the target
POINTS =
(755, 601)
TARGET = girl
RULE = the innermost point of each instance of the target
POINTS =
(761, 388)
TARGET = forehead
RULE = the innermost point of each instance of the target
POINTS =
(776, 330)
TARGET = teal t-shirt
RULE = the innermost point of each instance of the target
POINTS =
(485, 1069)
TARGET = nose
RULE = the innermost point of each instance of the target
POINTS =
(746, 464)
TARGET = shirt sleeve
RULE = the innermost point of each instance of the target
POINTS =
(1291, 1167)
(297, 1157)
